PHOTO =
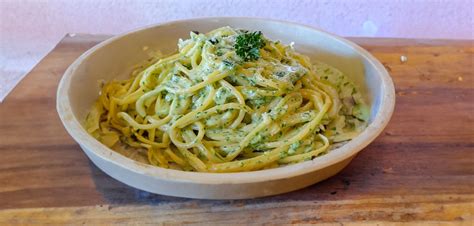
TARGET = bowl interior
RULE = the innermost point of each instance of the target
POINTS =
(115, 58)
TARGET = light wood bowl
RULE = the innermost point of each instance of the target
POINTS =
(115, 57)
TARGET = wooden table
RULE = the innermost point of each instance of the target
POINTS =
(421, 169)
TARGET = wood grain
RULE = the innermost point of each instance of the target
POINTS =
(421, 169)
(415, 209)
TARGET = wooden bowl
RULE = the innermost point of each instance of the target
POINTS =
(115, 57)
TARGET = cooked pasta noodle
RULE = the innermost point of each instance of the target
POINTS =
(228, 101)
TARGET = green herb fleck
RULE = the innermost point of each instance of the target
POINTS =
(213, 41)
(294, 146)
(280, 73)
(227, 63)
(283, 154)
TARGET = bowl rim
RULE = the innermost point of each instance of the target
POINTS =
(80, 135)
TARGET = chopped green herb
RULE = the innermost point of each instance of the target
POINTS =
(294, 146)
(213, 41)
(280, 73)
(227, 63)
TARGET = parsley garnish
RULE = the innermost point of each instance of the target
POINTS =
(248, 45)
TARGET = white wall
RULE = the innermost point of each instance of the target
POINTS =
(29, 28)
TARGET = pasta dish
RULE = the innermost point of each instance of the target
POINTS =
(229, 100)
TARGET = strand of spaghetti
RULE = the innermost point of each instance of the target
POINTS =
(249, 164)
(208, 153)
(326, 90)
(151, 157)
(129, 98)
(294, 102)
(152, 143)
(207, 101)
(161, 107)
(194, 57)
(306, 129)
(240, 99)
(267, 82)
(219, 135)
(112, 110)
(250, 92)
(213, 77)
(136, 125)
(306, 145)
(155, 154)
(170, 59)
(220, 120)
(314, 97)
(175, 158)
(282, 107)
(212, 150)
(293, 119)
(245, 142)
(308, 155)
(135, 84)
(191, 51)
(216, 142)
(205, 55)
(164, 75)
(151, 134)
(180, 67)
(174, 137)
(195, 116)
(139, 106)
(149, 72)
(194, 161)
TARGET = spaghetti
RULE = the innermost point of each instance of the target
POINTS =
(228, 101)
